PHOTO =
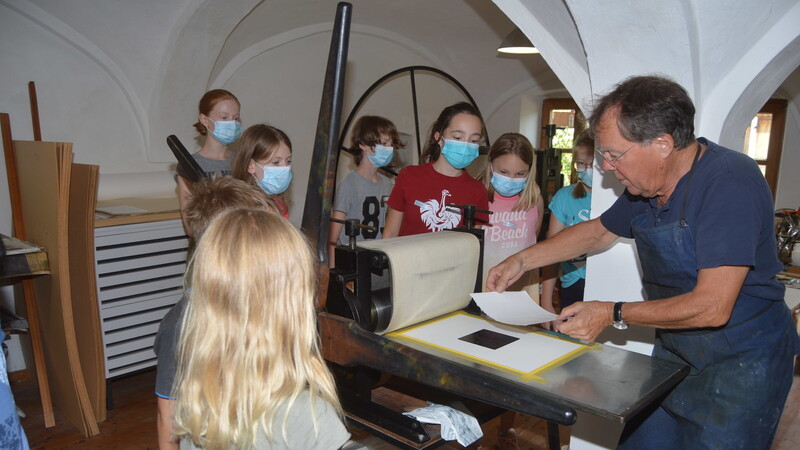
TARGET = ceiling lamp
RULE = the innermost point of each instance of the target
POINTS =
(517, 43)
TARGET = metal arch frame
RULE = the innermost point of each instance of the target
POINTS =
(411, 70)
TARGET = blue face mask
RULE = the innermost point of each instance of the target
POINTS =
(226, 131)
(507, 186)
(383, 155)
(459, 154)
(276, 179)
(585, 176)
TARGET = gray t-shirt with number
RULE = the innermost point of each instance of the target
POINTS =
(365, 200)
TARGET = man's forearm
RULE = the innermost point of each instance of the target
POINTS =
(569, 243)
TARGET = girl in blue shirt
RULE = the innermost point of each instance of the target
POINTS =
(571, 205)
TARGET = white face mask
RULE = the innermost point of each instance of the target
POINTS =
(585, 176)
(275, 180)
(507, 186)
(383, 155)
(226, 131)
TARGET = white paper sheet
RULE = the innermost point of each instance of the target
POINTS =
(513, 308)
(530, 352)
(121, 210)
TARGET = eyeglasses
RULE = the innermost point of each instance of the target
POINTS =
(606, 154)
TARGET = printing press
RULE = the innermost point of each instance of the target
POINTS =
(399, 308)
(380, 287)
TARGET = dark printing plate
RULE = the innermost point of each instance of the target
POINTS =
(489, 339)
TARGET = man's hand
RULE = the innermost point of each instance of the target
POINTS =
(502, 275)
(585, 320)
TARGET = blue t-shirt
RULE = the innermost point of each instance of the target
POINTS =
(569, 211)
(729, 210)
(12, 436)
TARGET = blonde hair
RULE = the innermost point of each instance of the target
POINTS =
(249, 344)
(519, 146)
(586, 141)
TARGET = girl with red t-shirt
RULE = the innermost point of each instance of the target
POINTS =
(418, 203)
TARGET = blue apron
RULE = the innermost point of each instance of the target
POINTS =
(740, 373)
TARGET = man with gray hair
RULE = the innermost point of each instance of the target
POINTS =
(702, 219)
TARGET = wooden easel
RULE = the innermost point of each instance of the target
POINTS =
(27, 285)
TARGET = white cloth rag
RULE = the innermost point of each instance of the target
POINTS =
(455, 424)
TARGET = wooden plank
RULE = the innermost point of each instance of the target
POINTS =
(83, 285)
(44, 177)
(37, 129)
(114, 221)
(149, 205)
(28, 291)
(172, 227)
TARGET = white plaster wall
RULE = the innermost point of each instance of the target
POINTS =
(505, 118)
(294, 107)
(115, 81)
(788, 192)
(79, 101)
(116, 77)
(739, 72)
(730, 56)
(620, 39)
(136, 50)
(550, 26)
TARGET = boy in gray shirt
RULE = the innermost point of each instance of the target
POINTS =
(363, 193)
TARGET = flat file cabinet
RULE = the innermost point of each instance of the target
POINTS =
(140, 270)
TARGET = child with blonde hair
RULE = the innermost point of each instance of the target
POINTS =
(516, 203)
(209, 197)
(250, 371)
(517, 206)
(571, 205)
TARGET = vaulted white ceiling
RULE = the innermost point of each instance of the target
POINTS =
(731, 55)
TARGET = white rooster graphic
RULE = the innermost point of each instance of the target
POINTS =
(436, 215)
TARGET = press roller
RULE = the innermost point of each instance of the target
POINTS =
(390, 284)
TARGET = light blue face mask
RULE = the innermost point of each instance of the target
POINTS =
(507, 186)
(459, 154)
(276, 179)
(226, 131)
(585, 176)
(383, 155)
